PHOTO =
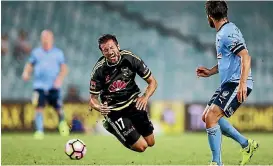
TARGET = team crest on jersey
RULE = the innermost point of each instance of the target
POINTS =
(126, 72)
(225, 93)
(117, 86)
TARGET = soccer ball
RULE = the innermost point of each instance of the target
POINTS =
(75, 149)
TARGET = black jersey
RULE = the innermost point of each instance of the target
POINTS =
(116, 83)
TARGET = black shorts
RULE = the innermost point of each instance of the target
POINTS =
(42, 97)
(226, 98)
(129, 124)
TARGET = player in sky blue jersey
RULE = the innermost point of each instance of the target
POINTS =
(49, 70)
(236, 83)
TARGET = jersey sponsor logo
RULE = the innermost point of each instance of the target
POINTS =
(117, 86)
(125, 133)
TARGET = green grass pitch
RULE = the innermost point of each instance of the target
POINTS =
(186, 149)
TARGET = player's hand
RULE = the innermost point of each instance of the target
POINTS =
(203, 72)
(141, 103)
(58, 83)
(25, 76)
(104, 109)
(242, 92)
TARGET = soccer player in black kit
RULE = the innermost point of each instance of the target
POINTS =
(113, 79)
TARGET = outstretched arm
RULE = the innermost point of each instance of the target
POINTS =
(205, 72)
(214, 70)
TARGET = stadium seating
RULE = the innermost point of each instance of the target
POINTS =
(77, 25)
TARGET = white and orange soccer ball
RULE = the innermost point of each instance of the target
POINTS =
(75, 149)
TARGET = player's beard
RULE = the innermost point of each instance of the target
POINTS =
(211, 24)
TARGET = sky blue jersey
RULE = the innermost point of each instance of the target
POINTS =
(229, 42)
(47, 65)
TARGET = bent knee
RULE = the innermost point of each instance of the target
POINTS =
(150, 140)
(140, 146)
(151, 143)
(209, 115)
(212, 116)
(204, 113)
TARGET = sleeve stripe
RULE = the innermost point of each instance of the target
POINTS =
(93, 92)
(95, 69)
(236, 47)
(147, 75)
(239, 49)
(98, 65)
(130, 53)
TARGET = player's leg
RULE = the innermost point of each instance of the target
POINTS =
(228, 130)
(204, 113)
(133, 141)
(212, 116)
(225, 127)
(141, 145)
(113, 131)
(227, 95)
(150, 139)
(38, 100)
(209, 103)
(227, 102)
(249, 146)
(55, 100)
(143, 125)
(123, 129)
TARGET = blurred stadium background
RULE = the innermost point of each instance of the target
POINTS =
(173, 38)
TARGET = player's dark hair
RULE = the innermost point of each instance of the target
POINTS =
(216, 9)
(104, 38)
